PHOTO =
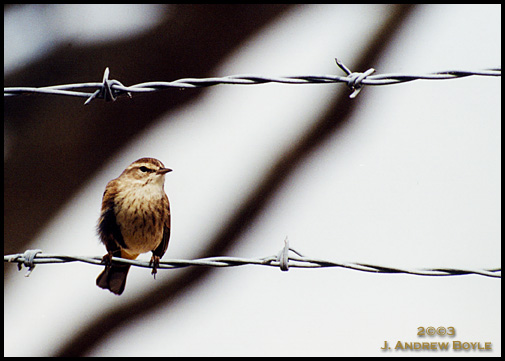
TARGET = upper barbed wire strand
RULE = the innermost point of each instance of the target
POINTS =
(111, 89)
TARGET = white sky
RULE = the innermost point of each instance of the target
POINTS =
(413, 181)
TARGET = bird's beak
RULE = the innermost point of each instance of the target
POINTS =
(163, 170)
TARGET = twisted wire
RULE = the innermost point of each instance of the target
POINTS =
(110, 90)
(285, 259)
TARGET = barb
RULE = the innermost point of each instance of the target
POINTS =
(106, 91)
(110, 90)
(286, 258)
(28, 258)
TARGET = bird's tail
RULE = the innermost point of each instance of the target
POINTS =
(113, 278)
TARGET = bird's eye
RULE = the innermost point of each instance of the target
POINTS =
(143, 169)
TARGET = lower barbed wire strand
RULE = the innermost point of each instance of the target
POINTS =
(293, 261)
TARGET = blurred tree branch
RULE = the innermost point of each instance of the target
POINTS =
(54, 143)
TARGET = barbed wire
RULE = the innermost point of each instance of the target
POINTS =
(110, 90)
(286, 258)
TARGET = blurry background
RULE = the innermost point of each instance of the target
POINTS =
(404, 175)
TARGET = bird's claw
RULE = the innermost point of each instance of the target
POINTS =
(154, 263)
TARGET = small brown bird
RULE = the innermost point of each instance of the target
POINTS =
(135, 219)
